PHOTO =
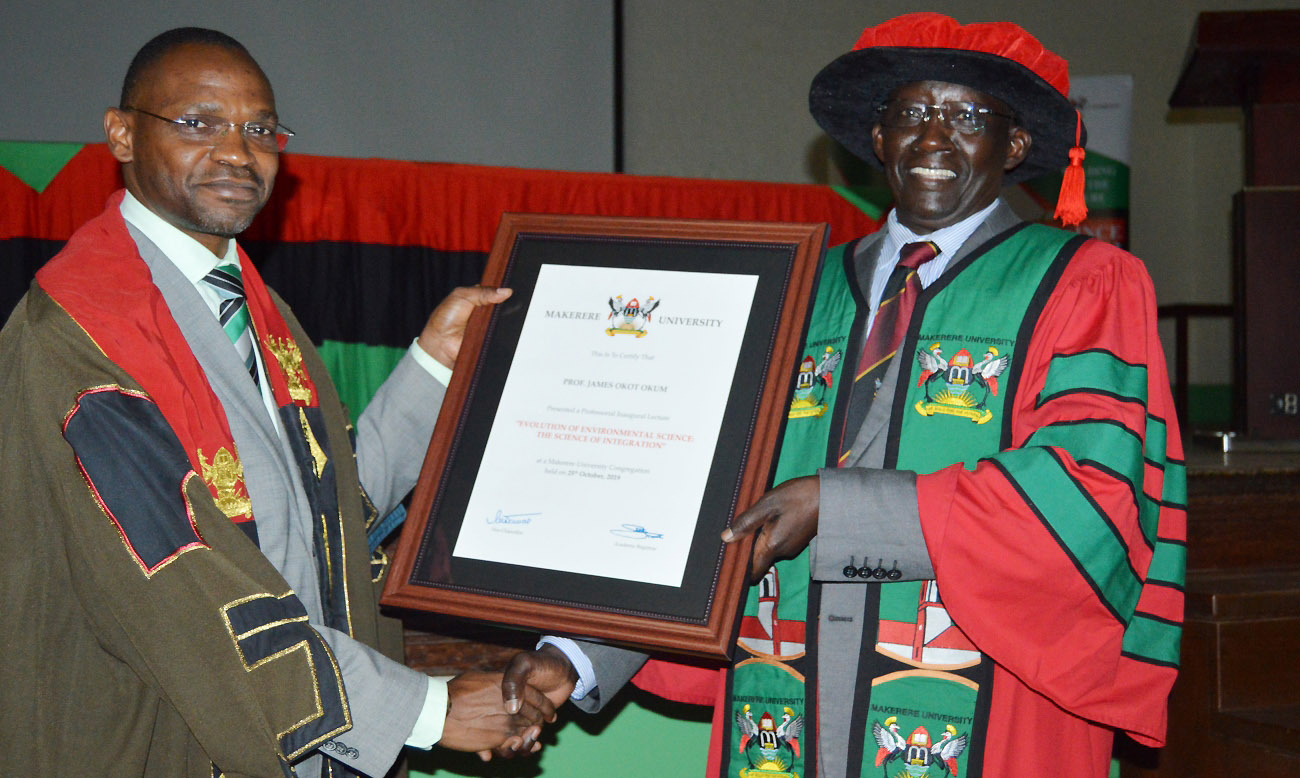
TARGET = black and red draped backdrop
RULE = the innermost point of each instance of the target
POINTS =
(363, 249)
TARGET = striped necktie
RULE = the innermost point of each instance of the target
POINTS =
(233, 312)
(887, 331)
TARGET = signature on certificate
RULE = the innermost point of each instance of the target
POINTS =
(636, 531)
(512, 518)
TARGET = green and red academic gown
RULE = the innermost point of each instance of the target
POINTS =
(1052, 503)
(156, 639)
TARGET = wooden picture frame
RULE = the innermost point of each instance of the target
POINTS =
(445, 563)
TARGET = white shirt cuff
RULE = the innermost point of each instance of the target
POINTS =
(440, 372)
(586, 673)
(428, 725)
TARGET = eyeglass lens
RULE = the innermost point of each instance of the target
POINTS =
(202, 128)
(205, 129)
(964, 117)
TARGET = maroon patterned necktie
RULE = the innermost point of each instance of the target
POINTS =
(887, 331)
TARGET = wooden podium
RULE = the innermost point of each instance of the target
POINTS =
(1252, 59)
(1235, 708)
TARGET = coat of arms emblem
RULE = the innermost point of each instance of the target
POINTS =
(769, 747)
(811, 383)
(918, 752)
(629, 318)
(959, 386)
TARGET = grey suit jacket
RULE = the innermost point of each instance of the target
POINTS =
(866, 514)
(385, 697)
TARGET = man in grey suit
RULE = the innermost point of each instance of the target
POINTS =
(973, 562)
(188, 589)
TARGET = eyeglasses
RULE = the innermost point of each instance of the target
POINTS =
(208, 130)
(966, 118)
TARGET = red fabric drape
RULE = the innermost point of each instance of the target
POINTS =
(443, 206)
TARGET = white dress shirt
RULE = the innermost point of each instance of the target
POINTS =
(948, 239)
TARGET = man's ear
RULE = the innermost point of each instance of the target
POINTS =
(1018, 144)
(878, 142)
(118, 132)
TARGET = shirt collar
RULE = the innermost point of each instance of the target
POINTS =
(948, 239)
(187, 254)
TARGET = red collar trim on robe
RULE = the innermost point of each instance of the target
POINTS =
(134, 328)
(290, 382)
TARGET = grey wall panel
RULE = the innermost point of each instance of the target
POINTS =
(498, 82)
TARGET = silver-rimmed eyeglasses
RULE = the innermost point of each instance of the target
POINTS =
(208, 130)
(964, 117)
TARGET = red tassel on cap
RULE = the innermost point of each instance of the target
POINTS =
(1071, 207)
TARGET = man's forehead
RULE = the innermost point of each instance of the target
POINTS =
(942, 88)
(205, 74)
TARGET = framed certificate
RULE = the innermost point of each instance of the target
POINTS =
(604, 425)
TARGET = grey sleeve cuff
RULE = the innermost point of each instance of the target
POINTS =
(385, 699)
(613, 667)
(868, 518)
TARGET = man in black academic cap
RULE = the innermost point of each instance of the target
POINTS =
(973, 561)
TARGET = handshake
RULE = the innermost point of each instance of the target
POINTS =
(503, 713)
